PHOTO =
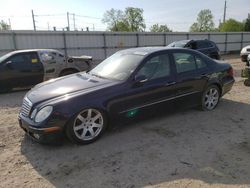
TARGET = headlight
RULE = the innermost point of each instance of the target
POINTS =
(33, 114)
(43, 114)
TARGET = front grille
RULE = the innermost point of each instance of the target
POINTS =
(26, 107)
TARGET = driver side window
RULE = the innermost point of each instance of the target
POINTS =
(156, 67)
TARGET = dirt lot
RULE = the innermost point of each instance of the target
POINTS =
(184, 149)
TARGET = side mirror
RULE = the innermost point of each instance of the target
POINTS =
(8, 64)
(140, 79)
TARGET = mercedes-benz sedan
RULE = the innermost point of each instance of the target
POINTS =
(80, 106)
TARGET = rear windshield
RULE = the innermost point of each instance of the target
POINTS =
(179, 44)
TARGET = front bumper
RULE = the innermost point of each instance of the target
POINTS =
(53, 134)
(244, 57)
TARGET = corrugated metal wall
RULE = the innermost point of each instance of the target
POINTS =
(103, 44)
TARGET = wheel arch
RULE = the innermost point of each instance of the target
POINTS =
(73, 69)
(216, 84)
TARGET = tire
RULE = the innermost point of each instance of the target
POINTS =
(67, 72)
(87, 126)
(247, 82)
(210, 98)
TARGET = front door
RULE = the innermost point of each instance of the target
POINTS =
(23, 69)
(157, 88)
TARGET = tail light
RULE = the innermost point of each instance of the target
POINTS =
(230, 71)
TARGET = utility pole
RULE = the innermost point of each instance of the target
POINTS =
(48, 26)
(225, 11)
(74, 20)
(33, 18)
(9, 24)
(68, 21)
(93, 27)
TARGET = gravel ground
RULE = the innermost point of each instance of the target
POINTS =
(188, 148)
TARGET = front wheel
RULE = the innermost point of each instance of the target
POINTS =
(87, 126)
(210, 98)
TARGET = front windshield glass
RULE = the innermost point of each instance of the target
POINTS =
(118, 66)
(2, 58)
(179, 44)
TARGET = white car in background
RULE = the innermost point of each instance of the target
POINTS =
(244, 53)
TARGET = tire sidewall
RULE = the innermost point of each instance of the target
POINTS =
(203, 106)
(71, 134)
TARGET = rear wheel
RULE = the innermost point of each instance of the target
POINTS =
(87, 126)
(247, 82)
(210, 98)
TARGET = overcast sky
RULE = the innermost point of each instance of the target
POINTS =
(177, 14)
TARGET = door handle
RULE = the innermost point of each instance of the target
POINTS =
(170, 83)
(202, 76)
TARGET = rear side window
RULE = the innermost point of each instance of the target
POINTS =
(200, 63)
(184, 62)
(204, 44)
(48, 56)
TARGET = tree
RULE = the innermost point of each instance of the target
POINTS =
(159, 28)
(232, 25)
(120, 26)
(112, 17)
(130, 20)
(247, 24)
(4, 26)
(134, 19)
(204, 22)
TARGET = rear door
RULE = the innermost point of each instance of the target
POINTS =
(191, 78)
(22, 69)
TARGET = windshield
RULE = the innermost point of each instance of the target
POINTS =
(118, 66)
(179, 44)
(2, 58)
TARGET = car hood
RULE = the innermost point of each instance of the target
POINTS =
(80, 82)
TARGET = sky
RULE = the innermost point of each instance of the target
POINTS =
(177, 14)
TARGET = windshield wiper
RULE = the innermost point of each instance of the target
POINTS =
(96, 75)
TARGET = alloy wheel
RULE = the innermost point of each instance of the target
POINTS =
(211, 98)
(88, 124)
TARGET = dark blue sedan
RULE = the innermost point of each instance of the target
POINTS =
(81, 105)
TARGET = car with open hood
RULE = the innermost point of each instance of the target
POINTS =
(25, 68)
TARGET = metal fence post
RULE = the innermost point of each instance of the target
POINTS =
(187, 36)
(105, 45)
(208, 36)
(137, 40)
(65, 44)
(241, 44)
(14, 40)
(225, 42)
(165, 39)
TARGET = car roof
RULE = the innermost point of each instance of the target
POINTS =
(33, 50)
(149, 50)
